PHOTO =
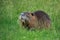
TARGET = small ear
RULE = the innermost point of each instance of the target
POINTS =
(32, 14)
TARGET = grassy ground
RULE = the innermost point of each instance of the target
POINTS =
(11, 9)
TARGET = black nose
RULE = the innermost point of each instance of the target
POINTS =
(23, 15)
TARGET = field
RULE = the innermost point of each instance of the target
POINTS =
(10, 11)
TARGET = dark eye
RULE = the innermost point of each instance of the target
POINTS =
(32, 14)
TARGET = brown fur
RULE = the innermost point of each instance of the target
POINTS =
(38, 19)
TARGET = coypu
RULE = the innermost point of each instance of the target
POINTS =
(37, 19)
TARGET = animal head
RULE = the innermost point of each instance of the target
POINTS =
(26, 18)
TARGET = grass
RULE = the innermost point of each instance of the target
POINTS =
(10, 11)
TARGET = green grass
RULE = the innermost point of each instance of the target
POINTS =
(10, 11)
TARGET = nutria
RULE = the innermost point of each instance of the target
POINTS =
(37, 19)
